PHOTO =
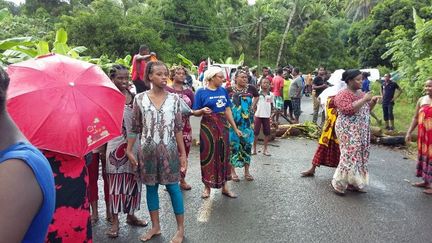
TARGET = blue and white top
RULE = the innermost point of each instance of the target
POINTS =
(217, 100)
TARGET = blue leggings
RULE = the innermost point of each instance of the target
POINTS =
(175, 195)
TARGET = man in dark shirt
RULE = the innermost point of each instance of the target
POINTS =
(389, 95)
(319, 85)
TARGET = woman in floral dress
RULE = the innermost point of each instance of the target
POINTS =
(157, 121)
(243, 99)
(178, 76)
(423, 119)
(353, 132)
(123, 181)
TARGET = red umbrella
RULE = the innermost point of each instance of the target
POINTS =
(63, 104)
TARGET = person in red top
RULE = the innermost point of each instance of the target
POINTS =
(202, 66)
(277, 87)
(138, 66)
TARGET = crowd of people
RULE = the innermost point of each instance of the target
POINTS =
(60, 192)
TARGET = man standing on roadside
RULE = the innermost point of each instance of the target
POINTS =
(278, 84)
(139, 63)
(389, 94)
(319, 85)
(295, 93)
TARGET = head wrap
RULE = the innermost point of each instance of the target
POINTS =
(350, 74)
(211, 72)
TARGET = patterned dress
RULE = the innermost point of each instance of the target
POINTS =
(241, 107)
(123, 181)
(353, 131)
(424, 142)
(71, 220)
(159, 157)
(188, 97)
(328, 151)
(214, 137)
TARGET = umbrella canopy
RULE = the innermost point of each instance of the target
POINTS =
(63, 104)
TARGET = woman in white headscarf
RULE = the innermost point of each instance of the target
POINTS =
(214, 132)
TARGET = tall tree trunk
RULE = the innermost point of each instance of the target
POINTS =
(286, 32)
(259, 43)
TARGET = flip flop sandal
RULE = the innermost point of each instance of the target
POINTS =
(267, 154)
(94, 220)
(137, 222)
(205, 195)
(235, 178)
(229, 194)
(185, 187)
(420, 184)
(112, 233)
(307, 174)
(428, 191)
(249, 177)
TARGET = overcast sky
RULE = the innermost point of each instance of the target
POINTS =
(17, 2)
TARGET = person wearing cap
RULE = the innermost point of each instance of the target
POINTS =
(353, 131)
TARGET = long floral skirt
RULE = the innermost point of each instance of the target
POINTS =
(71, 219)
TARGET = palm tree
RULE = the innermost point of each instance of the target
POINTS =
(359, 9)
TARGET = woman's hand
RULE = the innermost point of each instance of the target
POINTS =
(183, 164)
(408, 137)
(368, 96)
(376, 98)
(132, 158)
(206, 110)
(238, 132)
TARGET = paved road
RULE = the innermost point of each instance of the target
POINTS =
(279, 206)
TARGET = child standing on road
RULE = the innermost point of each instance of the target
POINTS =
(157, 118)
(262, 115)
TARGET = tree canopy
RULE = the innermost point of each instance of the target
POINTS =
(333, 33)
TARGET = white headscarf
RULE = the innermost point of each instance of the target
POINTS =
(331, 91)
(211, 72)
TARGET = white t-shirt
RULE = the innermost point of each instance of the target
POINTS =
(264, 105)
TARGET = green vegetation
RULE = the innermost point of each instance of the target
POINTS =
(393, 35)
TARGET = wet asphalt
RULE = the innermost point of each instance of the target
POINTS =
(280, 206)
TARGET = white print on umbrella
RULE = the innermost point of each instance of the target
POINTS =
(96, 133)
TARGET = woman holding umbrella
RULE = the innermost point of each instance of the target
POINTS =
(27, 194)
(123, 182)
(79, 109)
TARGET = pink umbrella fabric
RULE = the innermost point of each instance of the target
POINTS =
(63, 104)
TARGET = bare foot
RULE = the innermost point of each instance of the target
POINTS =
(178, 237)
(150, 234)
